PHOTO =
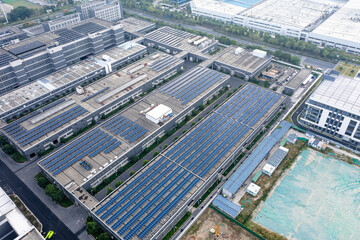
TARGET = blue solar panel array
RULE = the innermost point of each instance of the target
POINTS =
(125, 128)
(163, 63)
(90, 145)
(227, 206)
(24, 137)
(244, 171)
(140, 204)
(189, 85)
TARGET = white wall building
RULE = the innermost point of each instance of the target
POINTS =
(64, 22)
(334, 107)
(111, 12)
(84, 9)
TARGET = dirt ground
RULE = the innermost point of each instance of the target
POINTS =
(210, 218)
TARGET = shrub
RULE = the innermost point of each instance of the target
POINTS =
(42, 182)
(145, 162)
(92, 228)
(103, 236)
(165, 146)
(109, 190)
(118, 183)
(132, 173)
(155, 154)
(184, 131)
(8, 149)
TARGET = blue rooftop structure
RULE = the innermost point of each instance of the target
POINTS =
(244, 171)
(138, 208)
(227, 206)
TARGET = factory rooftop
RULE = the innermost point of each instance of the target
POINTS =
(244, 60)
(63, 36)
(24, 95)
(344, 24)
(179, 39)
(134, 25)
(226, 7)
(112, 139)
(296, 13)
(140, 207)
(38, 126)
(341, 93)
(299, 78)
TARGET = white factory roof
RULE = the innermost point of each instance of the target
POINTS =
(253, 189)
(159, 111)
(344, 24)
(218, 6)
(295, 13)
(342, 93)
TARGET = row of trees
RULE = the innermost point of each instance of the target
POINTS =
(333, 54)
(92, 228)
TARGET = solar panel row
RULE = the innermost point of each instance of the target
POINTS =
(90, 145)
(190, 85)
(126, 128)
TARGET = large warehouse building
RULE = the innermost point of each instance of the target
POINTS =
(334, 107)
(38, 56)
(42, 128)
(326, 23)
(163, 190)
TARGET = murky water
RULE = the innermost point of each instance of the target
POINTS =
(318, 199)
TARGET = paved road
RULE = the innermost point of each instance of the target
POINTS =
(304, 59)
(12, 184)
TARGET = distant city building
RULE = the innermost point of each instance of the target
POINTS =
(85, 8)
(64, 22)
(111, 12)
(334, 107)
(179, 2)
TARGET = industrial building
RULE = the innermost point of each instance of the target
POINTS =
(38, 56)
(275, 161)
(110, 12)
(227, 206)
(175, 41)
(85, 8)
(46, 126)
(64, 22)
(239, 177)
(153, 200)
(325, 23)
(11, 35)
(334, 107)
(134, 27)
(297, 80)
(89, 159)
(13, 224)
(240, 62)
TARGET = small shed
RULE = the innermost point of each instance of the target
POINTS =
(292, 138)
(253, 189)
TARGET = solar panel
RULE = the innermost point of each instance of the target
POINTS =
(5, 59)
(67, 35)
(27, 48)
(89, 27)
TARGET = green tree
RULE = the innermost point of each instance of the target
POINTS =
(57, 196)
(132, 173)
(109, 190)
(118, 183)
(92, 228)
(133, 159)
(50, 189)
(8, 149)
(145, 162)
(42, 182)
(103, 236)
(155, 154)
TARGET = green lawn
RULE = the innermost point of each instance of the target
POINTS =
(18, 3)
(347, 69)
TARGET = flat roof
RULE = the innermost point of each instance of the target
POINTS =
(177, 39)
(22, 95)
(244, 61)
(27, 132)
(133, 25)
(229, 7)
(158, 111)
(342, 93)
(300, 77)
(9, 31)
(127, 129)
(297, 13)
(344, 24)
(227, 206)
(145, 202)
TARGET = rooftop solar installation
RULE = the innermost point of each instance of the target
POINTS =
(5, 59)
(67, 35)
(169, 36)
(141, 206)
(89, 27)
(191, 84)
(227, 206)
(249, 165)
(26, 48)
(24, 137)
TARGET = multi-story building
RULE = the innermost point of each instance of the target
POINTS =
(84, 9)
(64, 22)
(110, 12)
(334, 108)
(38, 56)
(11, 35)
